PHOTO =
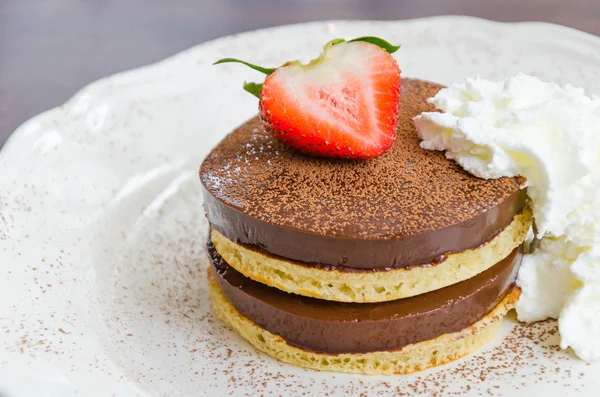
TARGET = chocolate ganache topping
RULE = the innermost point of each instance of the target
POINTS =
(407, 207)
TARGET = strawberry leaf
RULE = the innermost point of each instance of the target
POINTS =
(253, 88)
(378, 42)
(266, 71)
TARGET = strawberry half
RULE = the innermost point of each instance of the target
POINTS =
(343, 104)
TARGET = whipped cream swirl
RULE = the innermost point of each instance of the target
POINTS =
(551, 135)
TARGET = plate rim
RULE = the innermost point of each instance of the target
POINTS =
(575, 34)
(62, 115)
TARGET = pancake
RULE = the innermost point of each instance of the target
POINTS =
(364, 285)
(333, 327)
(409, 207)
(342, 337)
(411, 358)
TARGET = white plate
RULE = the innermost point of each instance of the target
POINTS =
(102, 233)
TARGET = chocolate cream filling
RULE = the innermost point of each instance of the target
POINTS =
(333, 327)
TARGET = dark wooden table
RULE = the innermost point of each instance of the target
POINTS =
(51, 48)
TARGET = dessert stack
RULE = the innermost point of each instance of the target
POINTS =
(338, 243)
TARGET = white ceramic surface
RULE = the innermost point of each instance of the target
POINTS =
(102, 233)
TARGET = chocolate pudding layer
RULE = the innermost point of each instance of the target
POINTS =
(407, 207)
(333, 327)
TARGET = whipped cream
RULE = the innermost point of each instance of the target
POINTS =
(551, 135)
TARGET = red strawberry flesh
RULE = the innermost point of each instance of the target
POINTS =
(344, 104)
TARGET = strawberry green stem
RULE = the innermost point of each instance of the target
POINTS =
(384, 45)
(266, 71)
(255, 88)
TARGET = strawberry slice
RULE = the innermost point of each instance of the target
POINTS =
(344, 104)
